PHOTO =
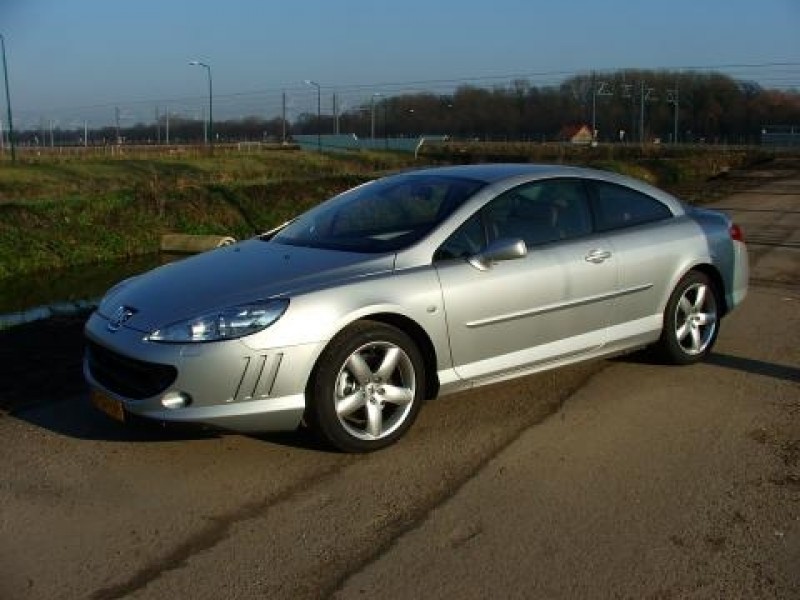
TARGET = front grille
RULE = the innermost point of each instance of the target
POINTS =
(128, 377)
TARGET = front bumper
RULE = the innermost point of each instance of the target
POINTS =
(223, 384)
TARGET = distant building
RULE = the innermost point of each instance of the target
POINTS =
(576, 134)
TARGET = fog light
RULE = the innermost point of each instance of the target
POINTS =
(174, 401)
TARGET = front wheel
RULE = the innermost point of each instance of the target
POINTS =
(367, 388)
(691, 320)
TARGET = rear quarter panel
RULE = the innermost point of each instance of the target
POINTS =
(728, 256)
(652, 259)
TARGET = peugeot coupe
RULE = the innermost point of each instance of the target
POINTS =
(352, 315)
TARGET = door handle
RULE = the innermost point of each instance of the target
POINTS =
(598, 256)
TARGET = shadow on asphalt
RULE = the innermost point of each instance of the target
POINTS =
(77, 418)
(756, 367)
(727, 361)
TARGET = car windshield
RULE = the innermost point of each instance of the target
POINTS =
(382, 216)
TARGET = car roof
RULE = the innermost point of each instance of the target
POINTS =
(508, 173)
(493, 172)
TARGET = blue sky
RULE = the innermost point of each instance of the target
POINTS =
(67, 55)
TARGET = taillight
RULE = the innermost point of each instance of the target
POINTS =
(736, 233)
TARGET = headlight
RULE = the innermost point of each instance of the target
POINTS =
(226, 324)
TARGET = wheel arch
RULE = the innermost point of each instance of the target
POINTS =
(709, 270)
(715, 276)
(417, 334)
(423, 342)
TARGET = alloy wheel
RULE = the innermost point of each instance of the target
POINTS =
(375, 390)
(695, 318)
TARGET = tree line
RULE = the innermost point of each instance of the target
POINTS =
(630, 105)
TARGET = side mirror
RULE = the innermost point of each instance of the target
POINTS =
(498, 250)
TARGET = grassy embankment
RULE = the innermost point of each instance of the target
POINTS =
(57, 212)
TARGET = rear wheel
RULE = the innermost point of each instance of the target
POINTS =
(367, 388)
(691, 320)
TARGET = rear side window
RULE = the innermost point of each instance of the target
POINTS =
(617, 206)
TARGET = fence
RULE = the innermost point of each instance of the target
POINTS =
(351, 141)
(781, 137)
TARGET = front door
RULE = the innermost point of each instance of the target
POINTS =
(554, 302)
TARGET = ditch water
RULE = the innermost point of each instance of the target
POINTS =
(69, 291)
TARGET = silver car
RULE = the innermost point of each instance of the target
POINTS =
(419, 284)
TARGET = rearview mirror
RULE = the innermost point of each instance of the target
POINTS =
(499, 250)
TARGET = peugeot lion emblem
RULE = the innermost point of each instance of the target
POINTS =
(121, 315)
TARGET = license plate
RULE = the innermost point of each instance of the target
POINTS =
(113, 408)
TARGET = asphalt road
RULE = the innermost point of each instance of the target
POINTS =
(615, 478)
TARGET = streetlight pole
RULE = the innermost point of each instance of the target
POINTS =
(11, 140)
(319, 113)
(210, 102)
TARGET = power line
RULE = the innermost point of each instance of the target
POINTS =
(269, 100)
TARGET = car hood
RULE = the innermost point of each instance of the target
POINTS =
(245, 272)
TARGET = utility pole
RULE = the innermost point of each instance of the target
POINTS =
(645, 96)
(166, 128)
(599, 88)
(372, 114)
(158, 127)
(85, 133)
(386, 124)
(594, 107)
(319, 112)
(372, 118)
(627, 92)
(116, 117)
(283, 117)
(335, 115)
(673, 97)
(641, 113)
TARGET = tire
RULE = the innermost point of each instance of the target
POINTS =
(367, 388)
(691, 320)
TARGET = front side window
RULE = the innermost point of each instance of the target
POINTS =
(466, 241)
(617, 206)
(537, 213)
(541, 212)
(382, 216)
